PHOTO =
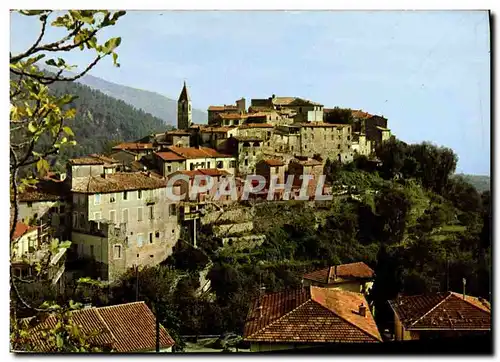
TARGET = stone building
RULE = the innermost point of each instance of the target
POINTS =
(184, 111)
(184, 188)
(230, 119)
(125, 157)
(137, 202)
(216, 137)
(215, 111)
(247, 151)
(302, 166)
(46, 203)
(204, 157)
(328, 140)
(373, 126)
(270, 168)
(142, 149)
(168, 162)
(179, 138)
(360, 145)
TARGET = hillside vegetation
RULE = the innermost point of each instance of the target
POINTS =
(102, 121)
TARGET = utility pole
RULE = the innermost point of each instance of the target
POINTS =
(157, 327)
(136, 283)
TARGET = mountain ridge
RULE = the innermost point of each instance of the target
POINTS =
(151, 102)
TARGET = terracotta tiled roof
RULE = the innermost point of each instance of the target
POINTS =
(193, 152)
(212, 172)
(104, 158)
(310, 315)
(232, 116)
(86, 161)
(442, 311)
(357, 270)
(322, 124)
(256, 109)
(283, 101)
(274, 162)
(119, 181)
(216, 129)
(38, 193)
(226, 107)
(127, 327)
(133, 146)
(21, 229)
(169, 156)
(256, 125)
(357, 113)
(178, 132)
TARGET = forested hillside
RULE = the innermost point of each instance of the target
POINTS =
(480, 182)
(152, 102)
(102, 121)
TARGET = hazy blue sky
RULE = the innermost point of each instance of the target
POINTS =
(427, 72)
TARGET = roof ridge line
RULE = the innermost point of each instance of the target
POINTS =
(458, 295)
(430, 310)
(349, 322)
(278, 319)
(106, 324)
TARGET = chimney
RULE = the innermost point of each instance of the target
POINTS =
(331, 275)
(464, 282)
(362, 310)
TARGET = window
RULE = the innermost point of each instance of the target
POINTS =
(169, 168)
(276, 169)
(82, 220)
(125, 195)
(203, 165)
(246, 162)
(139, 214)
(208, 164)
(139, 194)
(92, 251)
(75, 219)
(112, 198)
(220, 164)
(151, 238)
(338, 147)
(305, 146)
(61, 209)
(191, 167)
(30, 204)
(172, 210)
(140, 240)
(97, 199)
(125, 215)
(117, 251)
(157, 234)
(232, 164)
(97, 215)
(151, 213)
(348, 138)
(112, 216)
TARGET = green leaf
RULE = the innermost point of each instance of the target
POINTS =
(68, 131)
(42, 165)
(65, 245)
(59, 341)
(51, 62)
(31, 127)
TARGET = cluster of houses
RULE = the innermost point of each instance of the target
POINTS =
(116, 212)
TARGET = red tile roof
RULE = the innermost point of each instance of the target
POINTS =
(225, 107)
(133, 146)
(357, 270)
(213, 172)
(169, 156)
(194, 152)
(274, 162)
(323, 124)
(127, 327)
(178, 132)
(357, 113)
(256, 125)
(119, 181)
(216, 129)
(21, 229)
(442, 311)
(311, 162)
(310, 315)
(232, 116)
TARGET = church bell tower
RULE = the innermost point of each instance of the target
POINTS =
(184, 116)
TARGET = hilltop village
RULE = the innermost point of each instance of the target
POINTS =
(116, 212)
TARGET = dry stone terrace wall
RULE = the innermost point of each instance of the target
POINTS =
(227, 216)
(233, 229)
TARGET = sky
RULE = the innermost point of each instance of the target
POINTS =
(427, 72)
